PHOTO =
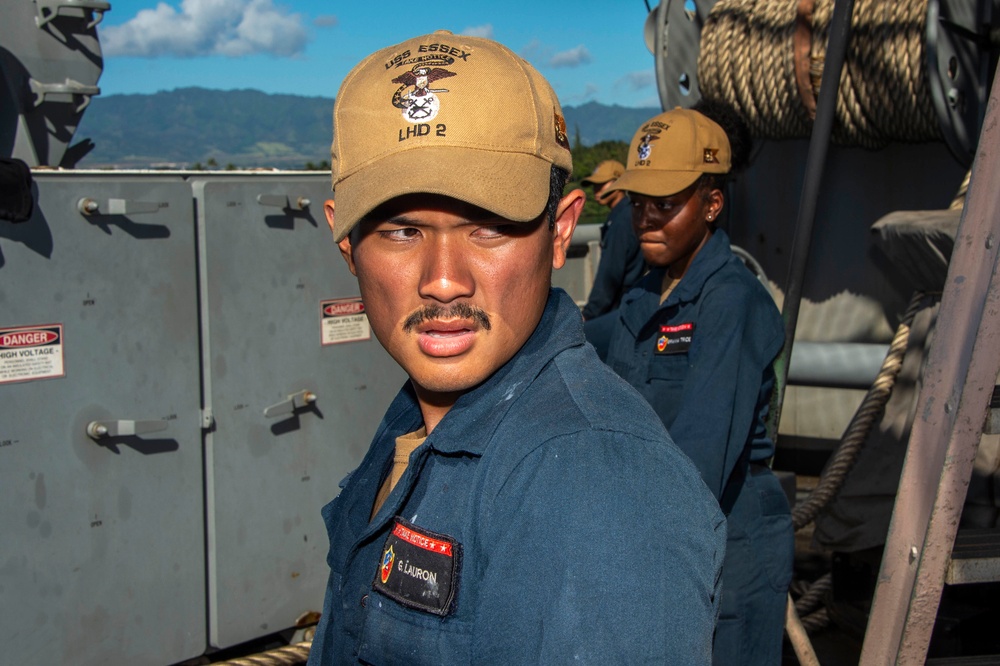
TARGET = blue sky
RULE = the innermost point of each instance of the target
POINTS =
(589, 50)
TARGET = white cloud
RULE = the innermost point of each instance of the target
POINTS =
(325, 21)
(571, 58)
(208, 27)
(485, 30)
(534, 49)
(634, 81)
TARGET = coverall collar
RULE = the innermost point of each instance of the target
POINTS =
(486, 405)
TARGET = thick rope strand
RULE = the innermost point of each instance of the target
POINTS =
(868, 412)
(747, 60)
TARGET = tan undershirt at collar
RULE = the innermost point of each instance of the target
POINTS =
(668, 286)
(405, 445)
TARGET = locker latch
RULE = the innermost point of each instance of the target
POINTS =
(290, 404)
(283, 201)
(100, 429)
(88, 206)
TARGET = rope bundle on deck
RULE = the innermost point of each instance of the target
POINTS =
(765, 58)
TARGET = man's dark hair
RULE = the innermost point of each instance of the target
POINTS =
(557, 182)
(558, 177)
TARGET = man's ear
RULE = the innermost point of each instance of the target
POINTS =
(346, 250)
(567, 214)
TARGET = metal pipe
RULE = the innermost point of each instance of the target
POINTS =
(852, 365)
(819, 142)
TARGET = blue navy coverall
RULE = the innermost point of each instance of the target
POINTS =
(703, 360)
(621, 263)
(578, 531)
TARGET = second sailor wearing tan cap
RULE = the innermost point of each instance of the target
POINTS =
(697, 337)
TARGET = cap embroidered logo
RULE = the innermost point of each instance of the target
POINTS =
(420, 104)
(645, 148)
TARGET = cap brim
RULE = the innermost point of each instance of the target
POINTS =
(655, 183)
(514, 186)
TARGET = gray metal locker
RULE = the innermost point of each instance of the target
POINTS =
(273, 283)
(102, 546)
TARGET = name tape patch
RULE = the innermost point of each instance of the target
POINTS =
(675, 339)
(419, 568)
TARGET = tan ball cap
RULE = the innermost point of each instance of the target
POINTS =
(464, 117)
(671, 151)
(603, 172)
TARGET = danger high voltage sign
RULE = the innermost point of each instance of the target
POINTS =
(31, 352)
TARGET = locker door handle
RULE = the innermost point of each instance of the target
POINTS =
(88, 206)
(290, 404)
(99, 429)
(283, 201)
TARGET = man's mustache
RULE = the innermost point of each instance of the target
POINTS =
(457, 311)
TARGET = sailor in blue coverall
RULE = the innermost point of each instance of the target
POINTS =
(621, 263)
(697, 337)
(520, 503)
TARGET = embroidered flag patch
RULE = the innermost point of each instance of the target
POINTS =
(675, 339)
(419, 568)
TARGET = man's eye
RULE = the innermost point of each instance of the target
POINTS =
(405, 233)
(492, 230)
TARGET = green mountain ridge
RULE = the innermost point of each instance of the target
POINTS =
(250, 128)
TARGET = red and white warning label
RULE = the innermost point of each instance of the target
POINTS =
(343, 320)
(31, 352)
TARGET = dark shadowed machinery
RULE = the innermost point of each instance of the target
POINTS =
(186, 370)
